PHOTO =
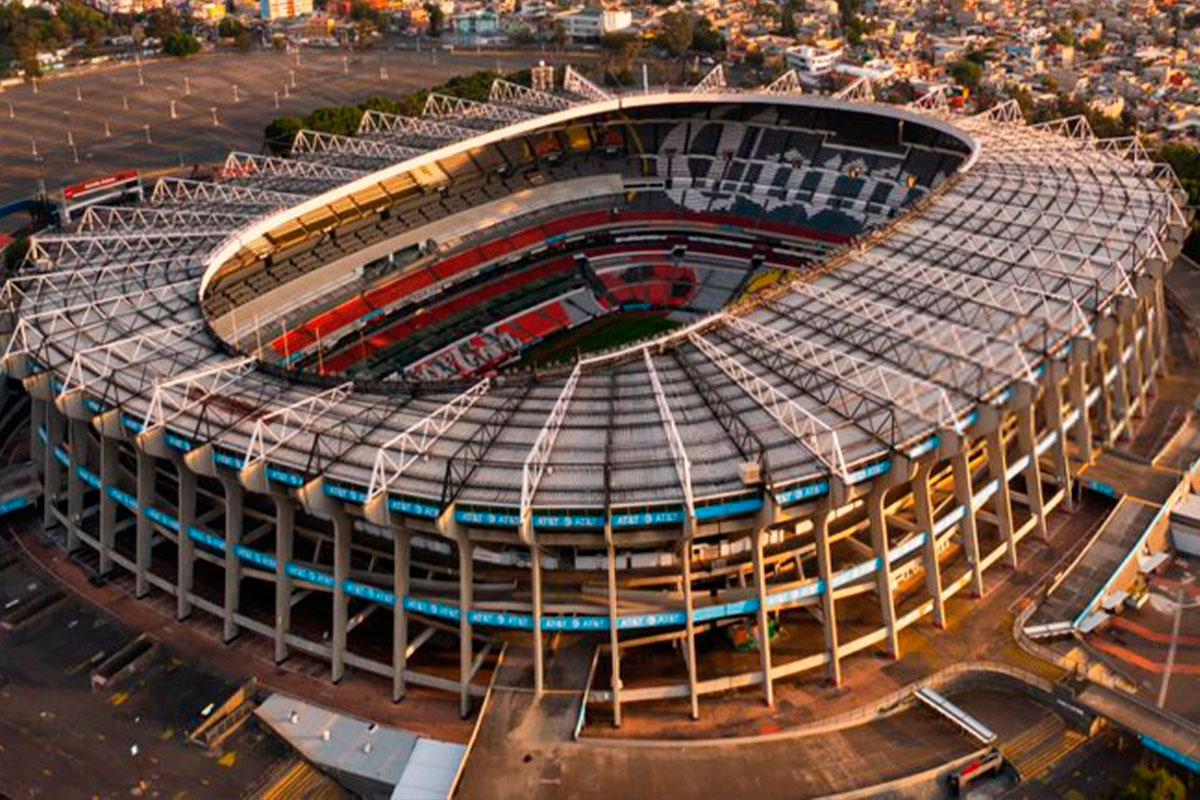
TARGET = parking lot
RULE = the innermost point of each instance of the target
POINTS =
(120, 117)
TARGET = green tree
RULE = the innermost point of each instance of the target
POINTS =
(620, 51)
(966, 72)
(1153, 784)
(706, 38)
(558, 34)
(162, 23)
(437, 19)
(280, 133)
(180, 44)
(521, 35)
(678, 32)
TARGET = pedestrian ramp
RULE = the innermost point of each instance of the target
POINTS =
(971, 726)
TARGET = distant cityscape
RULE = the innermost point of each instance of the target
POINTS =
(1130, 65)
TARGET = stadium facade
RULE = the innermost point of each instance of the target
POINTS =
(285, 396)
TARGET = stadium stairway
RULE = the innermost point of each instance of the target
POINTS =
(1034, 751)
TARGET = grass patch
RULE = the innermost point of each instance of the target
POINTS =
(604, 333)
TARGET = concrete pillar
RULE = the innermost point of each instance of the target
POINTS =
(1160, 324)
(964, 495)
(1149, 353)
(37, 425)
(466, 598)
(820, 522)
(1052, 409)
(186, 548)
(1122, 396)
(285, 531)
(75, 486)
(1001, 500)
(685, 558)
(1106, 414)
(145, 530)
(539, 655)
(1137, 367)
(764, 630)
(1027, 444)
(343, 530)
(52, 483)
(233, 565)
(933, 570)
(883, 574)
(401, 556)
(108, 506)
(1082, 430)
(614, 633)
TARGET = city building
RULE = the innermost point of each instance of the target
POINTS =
(592, 22)
(285, 9)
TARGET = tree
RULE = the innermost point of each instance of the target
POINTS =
(437, 19)
(1153, 784)
(180, 44)
(706, 38)
(620, 51)
(787, 19)
(162, 23)
(281, 132)
(521, 35)
(558, 34)
(966, 72)
(678, 31)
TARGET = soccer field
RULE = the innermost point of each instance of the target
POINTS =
(603, 333)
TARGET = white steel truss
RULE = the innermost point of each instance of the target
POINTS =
(56, 249)
(814, 433)
(176, 395)
(101, 219)
(714, 81)
(683, 465)
(858, 91)
(240, 165)
(420, 128)
(317, 143)
(934, 100)
(401, 451)
(903, 391)
(274, 430)
(787, 83)
(575, 83)
(508, 93)
(175, 191)
(539, 454)
(97, 363)
(443, 106)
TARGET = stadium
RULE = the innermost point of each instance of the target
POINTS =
(672, 370)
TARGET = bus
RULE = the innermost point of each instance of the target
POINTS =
(982, 767)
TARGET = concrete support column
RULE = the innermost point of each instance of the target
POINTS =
(1106, 415)
(401, 555)
(145, 499)
(964, 495)
(614, 633)
(75, 486)
(764, 620)
(1052, 407)
(1001, 500)
(539, 641)
(52, 482)
(883, 575)
(933, 570)
(1137, 365)
(1160, 324)
(1149, 351)
(685, 557)
(37, 423)
(285, 531)
(343, 530)
(233, 565)
(1027, 444)
(1082, 430)
(1122, 396)
(186, 548)
(108, 506)
(820, 521)
(466, 598)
